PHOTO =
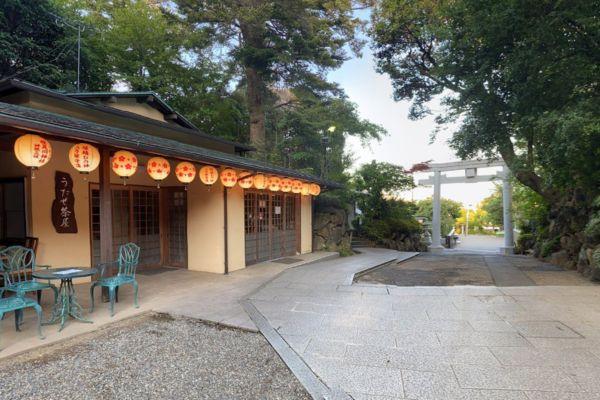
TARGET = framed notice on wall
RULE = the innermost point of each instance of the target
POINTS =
(63, 206)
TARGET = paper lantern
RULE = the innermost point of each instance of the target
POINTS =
(124, 164)
(208, 174)
(305, 189)
(229, 177)
(286, 185)
(185, 172)
(314, 189)
(274, 184)
(84, 157)
(296, 186)
(158, 168)
(32, 151)
(245, 180)
(260, 181)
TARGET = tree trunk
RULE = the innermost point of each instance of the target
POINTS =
(254, 97)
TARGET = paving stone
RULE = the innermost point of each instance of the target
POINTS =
(359, 322)
(492, 326)
(443, 386)
(545, 357)
(425, 358)
(416, 291)
(411, 339)
(361, 379)
(481, 339)
(433, 326)
(547, 329)
(514, 378)
(565, 343)
(363, 289)
(364, 396)
(587, 378)
(472, 291)
(562, 396)
(297, 342)
(463, 315)
(326, 348)
(318, 308)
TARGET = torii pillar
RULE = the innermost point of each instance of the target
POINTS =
(509, 238)
(436, 223)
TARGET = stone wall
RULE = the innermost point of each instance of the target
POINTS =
(330, 230)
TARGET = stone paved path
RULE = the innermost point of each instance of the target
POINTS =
(437, 343)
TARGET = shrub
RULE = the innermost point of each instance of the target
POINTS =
(550, 246)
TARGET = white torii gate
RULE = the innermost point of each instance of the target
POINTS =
(470, 168)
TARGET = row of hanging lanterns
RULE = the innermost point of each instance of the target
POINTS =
(34, 151)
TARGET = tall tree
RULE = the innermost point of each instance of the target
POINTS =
(291, 43)
(309, 132)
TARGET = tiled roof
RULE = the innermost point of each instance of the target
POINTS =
(74, 128)
(12, 85)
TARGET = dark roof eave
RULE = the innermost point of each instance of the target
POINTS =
(7, 84)
(121, 138)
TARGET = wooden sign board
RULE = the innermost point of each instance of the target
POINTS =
(63, 206)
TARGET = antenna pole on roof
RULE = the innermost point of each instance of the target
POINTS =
(61, 21)
(78, 55)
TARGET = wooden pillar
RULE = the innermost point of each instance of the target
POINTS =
(106, 234)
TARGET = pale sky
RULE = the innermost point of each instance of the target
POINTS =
(407, 142)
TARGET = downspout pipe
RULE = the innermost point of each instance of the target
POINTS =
(225, 228)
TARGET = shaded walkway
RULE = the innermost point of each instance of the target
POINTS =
(433, 342)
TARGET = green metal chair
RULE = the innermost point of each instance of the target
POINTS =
(129, 256)
(17, 263)
(17, 304)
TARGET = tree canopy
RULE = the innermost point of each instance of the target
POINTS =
(289, 44)
(35, 45)
(519, 78)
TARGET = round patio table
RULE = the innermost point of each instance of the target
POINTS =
(66, 303)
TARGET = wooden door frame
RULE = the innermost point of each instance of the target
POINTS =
(132, 232)
(165, 233)
(269, 221)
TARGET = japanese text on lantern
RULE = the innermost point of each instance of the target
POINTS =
(40, 151)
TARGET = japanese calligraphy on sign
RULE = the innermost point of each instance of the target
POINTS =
(63, 206)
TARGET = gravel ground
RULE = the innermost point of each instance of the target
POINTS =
(152, 357)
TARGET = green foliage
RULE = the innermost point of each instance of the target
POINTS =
(298, 132)
(492, 205)
(520, 79)
(550, 246)
(596, 258)
(525, 241)
(384, 217)
(288, 43)
(592, 229)
(144, 47)
(450, 211)
(530, 210)
(34, 47)
(378, 181)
